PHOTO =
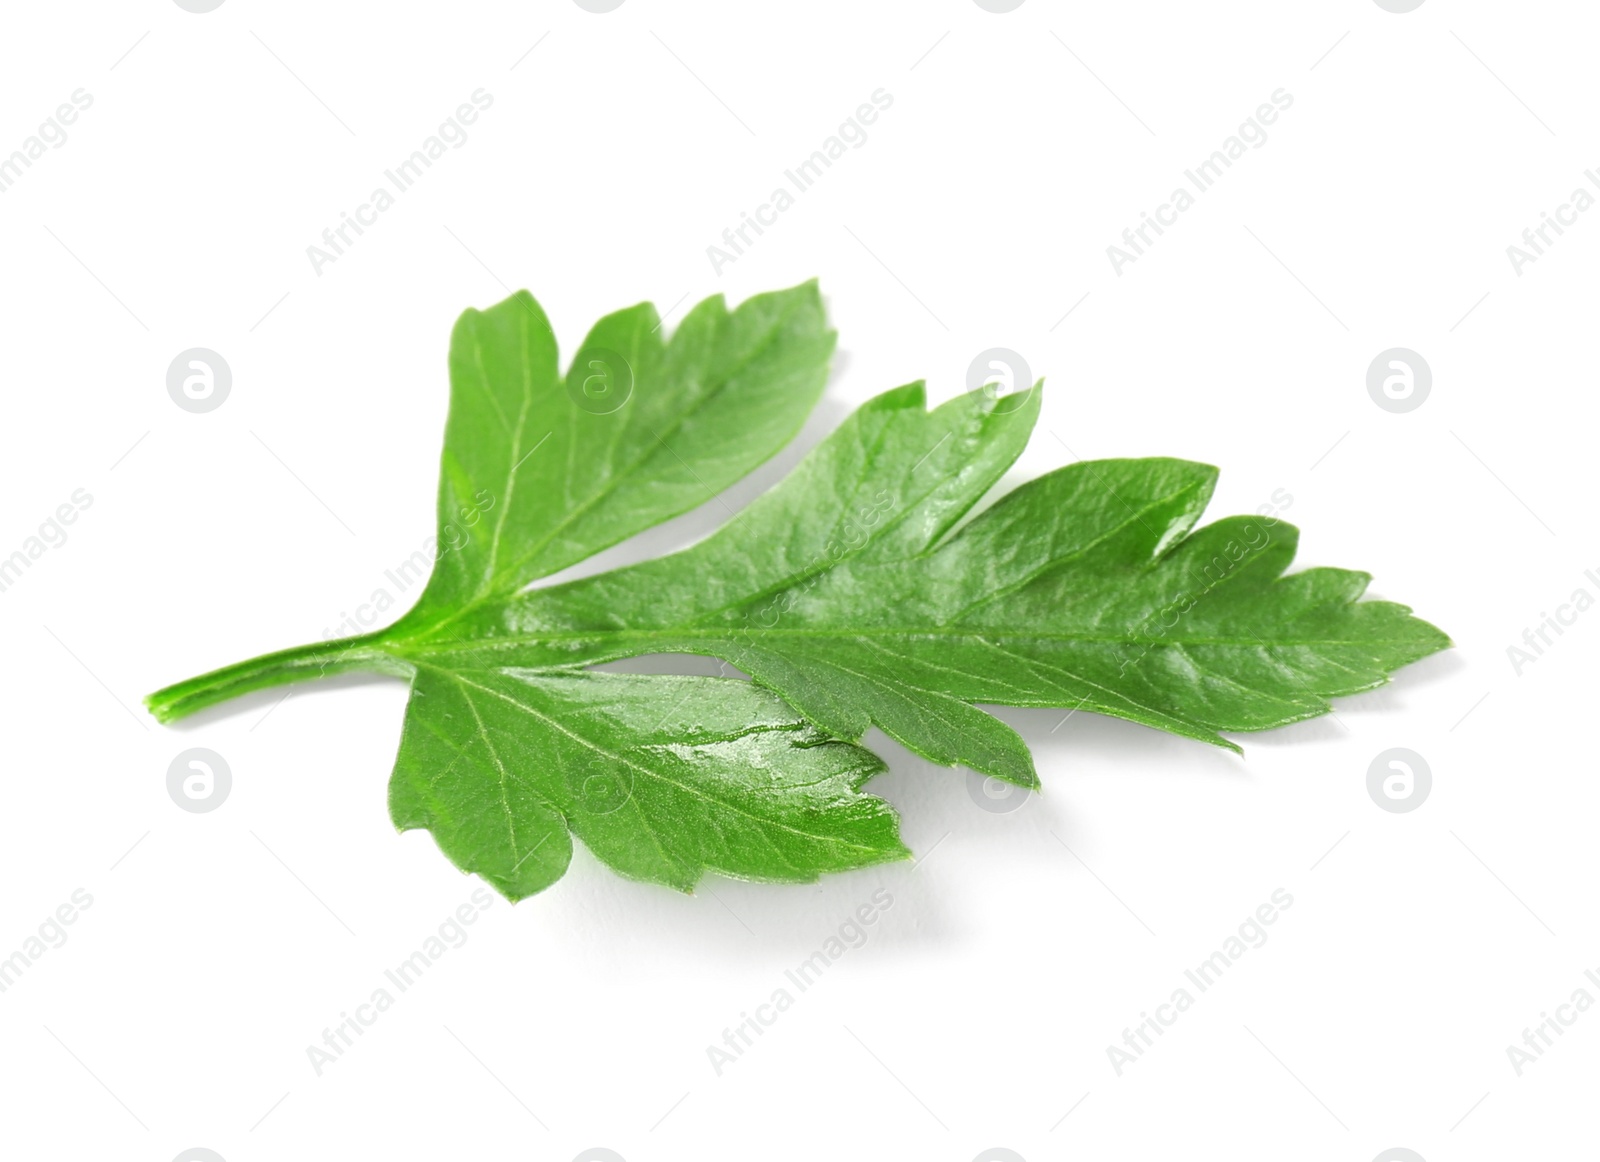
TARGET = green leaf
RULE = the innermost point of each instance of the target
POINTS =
(540, 473)
(860, 591)
(1083, 589)
(662, 777)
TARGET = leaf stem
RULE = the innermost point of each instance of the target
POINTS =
(316, 660)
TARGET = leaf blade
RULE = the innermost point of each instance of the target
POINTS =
(541, 471)
(1088, 588)
(664, 779)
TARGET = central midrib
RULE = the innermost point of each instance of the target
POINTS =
(700, 634)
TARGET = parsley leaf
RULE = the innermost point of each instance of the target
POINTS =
(535, 478)
(662, 777)
(860, 591)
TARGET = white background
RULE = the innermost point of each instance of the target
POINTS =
(979, 1012)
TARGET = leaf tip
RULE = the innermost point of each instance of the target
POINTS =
(911, 396)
